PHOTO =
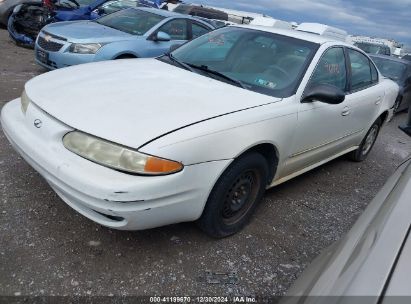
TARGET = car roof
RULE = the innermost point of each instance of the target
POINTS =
(404, 61)
(296, 34)
(168, 14)
(160, 12)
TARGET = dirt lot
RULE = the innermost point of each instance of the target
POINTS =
(46, 248)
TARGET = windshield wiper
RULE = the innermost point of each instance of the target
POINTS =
(217, 73)
(174, 59)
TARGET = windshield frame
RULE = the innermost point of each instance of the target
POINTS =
(286, 92)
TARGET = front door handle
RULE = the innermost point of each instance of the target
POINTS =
(346, 111)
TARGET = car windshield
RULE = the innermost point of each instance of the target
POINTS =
(116, 5)
(390, 68)
(373, 48)
(132, 21)
(72, 4)
(85, 2)
(260, 61)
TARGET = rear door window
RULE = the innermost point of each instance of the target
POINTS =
(177, 29)
(361, 77)
(198, 30)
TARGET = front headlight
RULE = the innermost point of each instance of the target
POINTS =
(118, 157)
(25, 101)
(85, 48)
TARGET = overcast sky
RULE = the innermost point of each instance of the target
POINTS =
(386, 19)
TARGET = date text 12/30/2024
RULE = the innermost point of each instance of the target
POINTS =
(236, 299)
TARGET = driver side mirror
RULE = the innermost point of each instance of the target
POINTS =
(161, 36)
(324, 93)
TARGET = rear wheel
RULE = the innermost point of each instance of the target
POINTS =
(125, 56)
(397, 105)
(235, 196)
(368, 142)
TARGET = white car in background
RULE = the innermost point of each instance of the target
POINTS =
(199, 134)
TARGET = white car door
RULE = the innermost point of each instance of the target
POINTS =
(319, 131)
(364, 99)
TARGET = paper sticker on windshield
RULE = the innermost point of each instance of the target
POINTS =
(265, 83)
(332, 68)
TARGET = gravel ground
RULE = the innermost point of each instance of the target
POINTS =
(46, 248)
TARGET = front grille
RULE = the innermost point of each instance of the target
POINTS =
(49, 45)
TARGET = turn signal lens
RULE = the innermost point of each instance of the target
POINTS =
(158, 165)
(117, 157)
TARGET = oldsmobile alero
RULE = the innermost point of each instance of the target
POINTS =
(198, 134)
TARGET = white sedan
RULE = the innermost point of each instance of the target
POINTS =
(198, 135)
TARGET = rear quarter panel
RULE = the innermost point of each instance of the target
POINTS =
(391, 90)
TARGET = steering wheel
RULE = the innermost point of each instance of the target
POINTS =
(282, 72)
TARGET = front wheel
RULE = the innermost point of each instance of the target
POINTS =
(368, 142)
(235, 196)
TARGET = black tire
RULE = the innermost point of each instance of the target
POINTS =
(367, 143)
(126, 56)
(235, 196)
(397, 105)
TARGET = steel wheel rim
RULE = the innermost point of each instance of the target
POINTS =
(369, 140)
(241, 196)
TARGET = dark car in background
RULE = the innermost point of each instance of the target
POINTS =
(372, 263)
(7, 6)
(28, 19)
(373, 48)
(200, 11)
(407, 57)
(398, 70)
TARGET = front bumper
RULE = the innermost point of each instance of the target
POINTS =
(19, 38)
(108, 197)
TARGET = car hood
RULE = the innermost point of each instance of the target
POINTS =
(134, 101)
(76, 31)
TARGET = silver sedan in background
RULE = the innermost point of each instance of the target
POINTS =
(372, 263)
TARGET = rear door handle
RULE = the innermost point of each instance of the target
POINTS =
(346, 111)
(378, 101)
